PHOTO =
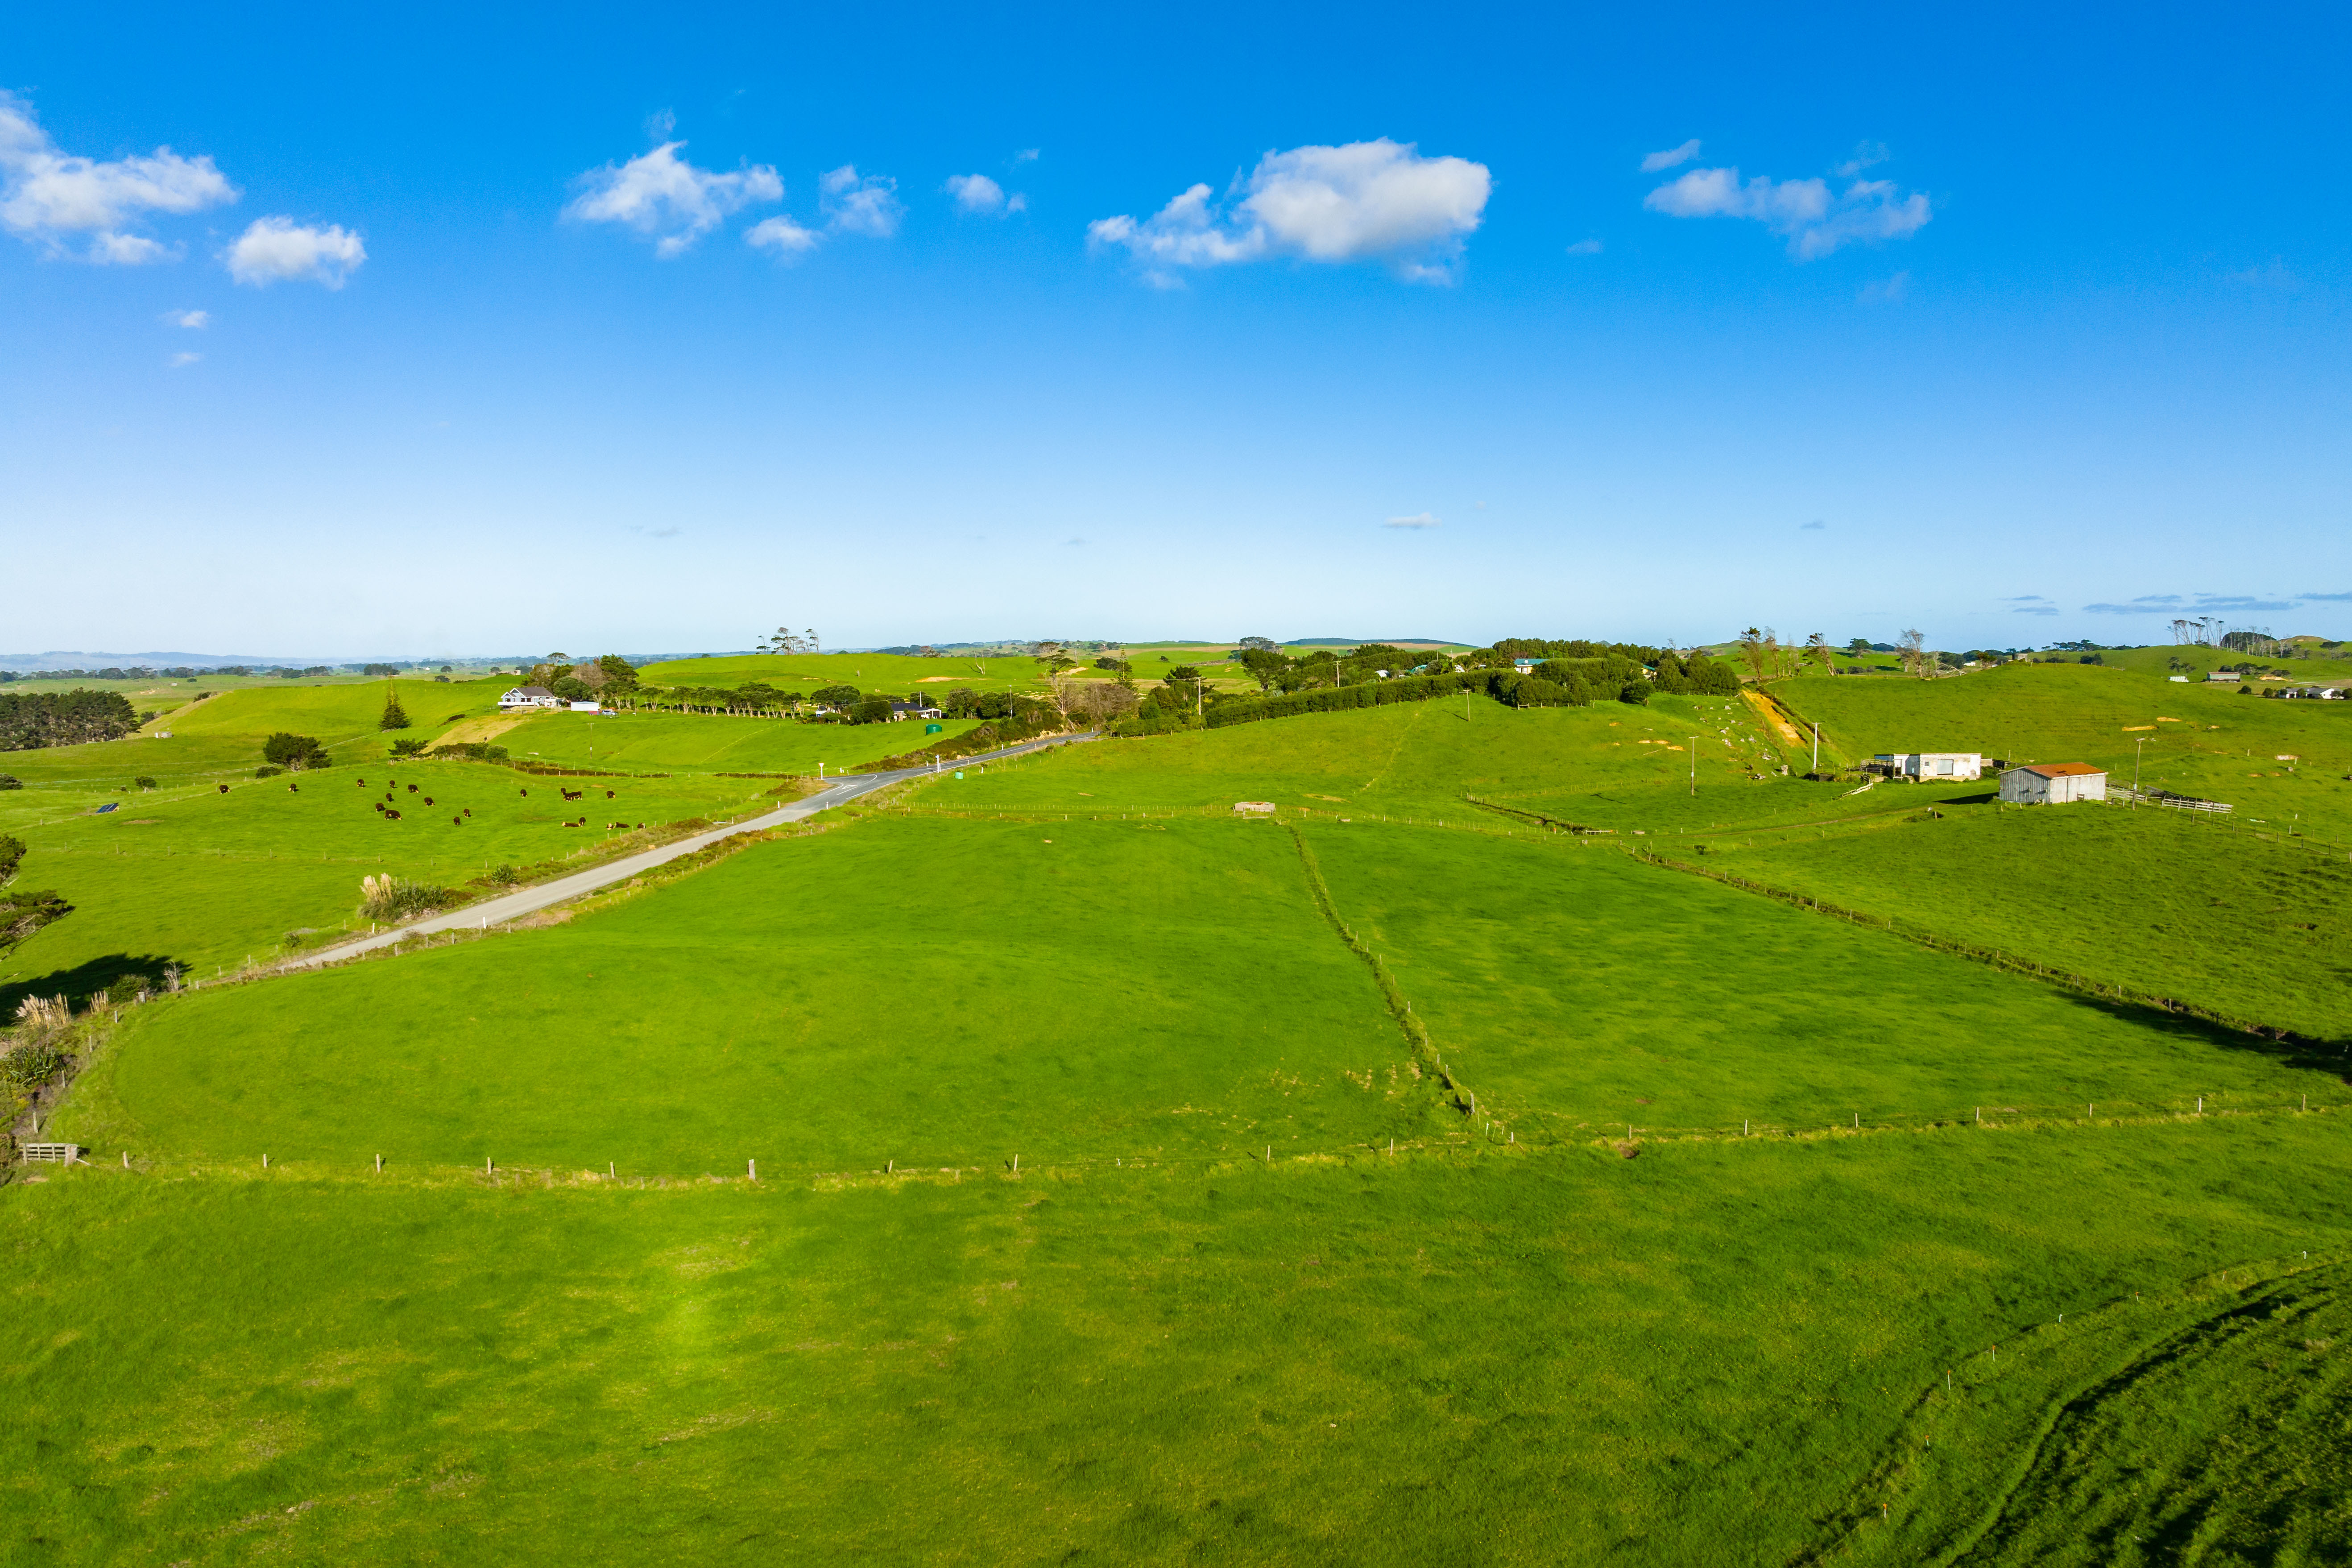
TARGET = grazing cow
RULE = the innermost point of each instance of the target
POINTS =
(293, 789)
(608, 795)
(224, 789)
(392, 817)
(412, 789)
(567, 793)
(428, 800)
(456, 822)
(640, 825)
(379, 806)
(470, 811)
(526, 791)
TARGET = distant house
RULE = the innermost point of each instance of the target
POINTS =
(2223, 676)
(2052, 784)
(1931, 765)
(2325, 693)
(1523, 666)
(529, 697)
(916, 709)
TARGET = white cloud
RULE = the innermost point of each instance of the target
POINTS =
(280, 250)
(1026, 155)
(46, 196)
(1866, 155)
(1815, 222)
(1670, 157)
(788, 239)
(1365, 200)
(1418, 520)
(177, 361)
(980, 194)
(1887, 291)
(664, 197)
(1585, 247)
(869, 207)
(191, 319)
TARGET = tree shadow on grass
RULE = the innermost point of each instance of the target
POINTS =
(86, 980)
(2282, 1046)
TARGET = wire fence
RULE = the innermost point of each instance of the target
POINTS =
(1998, 958)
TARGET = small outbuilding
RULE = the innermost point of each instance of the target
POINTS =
(1931, 767)
(529, 697)
(587, 706)
(915, 709)
(2052, 784)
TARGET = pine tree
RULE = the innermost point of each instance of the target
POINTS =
(395, 717)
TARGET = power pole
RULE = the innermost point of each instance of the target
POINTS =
(2137, 743)
(1817, 746)
(1694, 761)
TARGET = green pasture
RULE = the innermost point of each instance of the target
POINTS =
(890, 672)
(1718, 1354)
(192, 876)
(1578, 991)
(937, 993)
(222, 736)
(2211, 743)
(711, 742)
(1611, 764)
(2323, 664)
(2170, 903)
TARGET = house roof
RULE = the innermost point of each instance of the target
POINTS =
(531, 691)
(2058, 770)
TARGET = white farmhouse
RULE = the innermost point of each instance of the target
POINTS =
(524, 697)
(1932, 767)
(2054, 783)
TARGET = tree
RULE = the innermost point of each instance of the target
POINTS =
(1259, 645)
(395, 717)
(620, 675)
(874, 710)
(1263, 664)
(12, 854)
(786, 640)
(1816, 649)
(1751, 651)
(386, 670)
(834, 696)
(1912, 646)
(287, 749)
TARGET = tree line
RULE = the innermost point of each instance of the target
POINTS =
(31, 719)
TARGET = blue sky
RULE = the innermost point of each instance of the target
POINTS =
(653, 331)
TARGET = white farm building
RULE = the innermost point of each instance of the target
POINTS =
(2054, 783)
(1932, 765)
(529, 697)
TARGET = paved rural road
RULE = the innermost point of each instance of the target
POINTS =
(527, 901)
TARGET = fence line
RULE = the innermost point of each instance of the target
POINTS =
(1996, 958)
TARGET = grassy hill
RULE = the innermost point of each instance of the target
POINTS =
(709, 741)
(867, 671)
(2285, 762)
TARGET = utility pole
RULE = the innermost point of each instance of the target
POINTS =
(1817, 746)
(1694, 761)
(2137, 742)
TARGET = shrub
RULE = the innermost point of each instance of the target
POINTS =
(22, 914)
(407, 746)
(143, 781)
(506, 877)
(11, 854)
(1636, 692)
(472, 750)
(288, 750)
(388, 897)
(267, 772)
(10, 781)
(29, 1067)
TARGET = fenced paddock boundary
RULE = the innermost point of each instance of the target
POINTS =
(1996, 958)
